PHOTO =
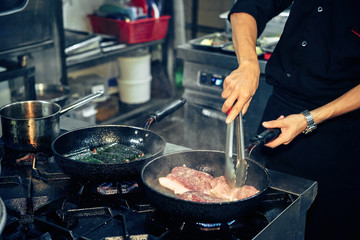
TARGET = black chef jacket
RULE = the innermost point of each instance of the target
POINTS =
(318, 56)
(316, 60)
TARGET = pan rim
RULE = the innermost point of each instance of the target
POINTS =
(105, 126)
(202, 203)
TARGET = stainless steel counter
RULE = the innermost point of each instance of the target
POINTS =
(216, 58)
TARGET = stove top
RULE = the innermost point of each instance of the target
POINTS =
(44, 203)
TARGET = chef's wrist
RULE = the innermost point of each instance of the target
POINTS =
(310, 124)
(251, 65)
(303, 123)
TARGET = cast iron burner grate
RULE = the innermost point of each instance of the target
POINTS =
(80, 216)
(23, 205)
(29, 183)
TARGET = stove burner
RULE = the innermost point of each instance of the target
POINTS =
(116, 188)
(107, 189)
(30, 158)
(209, 226)
(12, 157)
(213, 226)
(128, 187)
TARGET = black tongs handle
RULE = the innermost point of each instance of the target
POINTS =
(266, 136)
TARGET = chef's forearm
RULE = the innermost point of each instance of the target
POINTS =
(244, 35)
(348, 102)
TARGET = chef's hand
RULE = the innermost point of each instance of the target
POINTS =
(240, 86)
(290, 126)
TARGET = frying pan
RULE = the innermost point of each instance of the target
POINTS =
(143, 139)
(211, 162)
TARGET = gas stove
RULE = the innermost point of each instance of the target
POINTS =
(44, 203)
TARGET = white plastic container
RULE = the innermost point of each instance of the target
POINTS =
(135, 68)
(135, 91)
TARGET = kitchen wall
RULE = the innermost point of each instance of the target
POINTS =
(208, 20)
(75, 13)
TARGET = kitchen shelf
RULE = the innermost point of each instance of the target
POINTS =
(108, 56)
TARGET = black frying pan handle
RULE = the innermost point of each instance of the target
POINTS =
(167, 110)
(266, 136)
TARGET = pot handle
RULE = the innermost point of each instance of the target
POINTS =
(82, 101)
(167, 110)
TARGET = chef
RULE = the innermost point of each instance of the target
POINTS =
(315, 71)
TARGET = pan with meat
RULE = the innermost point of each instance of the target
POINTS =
(209, 162)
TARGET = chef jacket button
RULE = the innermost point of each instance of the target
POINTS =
(319, 9)
(304, 43)
(288, 75)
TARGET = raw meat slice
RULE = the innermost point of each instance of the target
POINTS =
(191, 178)
(177, 187)
(197, 196)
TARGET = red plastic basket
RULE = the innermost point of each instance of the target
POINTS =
(138, 31)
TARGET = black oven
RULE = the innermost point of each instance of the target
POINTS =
(25, 24)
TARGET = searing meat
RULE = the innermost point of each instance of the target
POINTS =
(221, 189)
(198, 186)
(245, 192)
(191, 179)
(197, 196)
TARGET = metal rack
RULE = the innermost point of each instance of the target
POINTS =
(20, 69)
(108, 56)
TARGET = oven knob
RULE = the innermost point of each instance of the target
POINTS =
(203, 78)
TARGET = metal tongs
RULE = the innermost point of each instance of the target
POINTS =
(236, 169)
(235, 173)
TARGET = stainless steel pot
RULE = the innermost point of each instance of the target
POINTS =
(3, 215)
(32, 125)
(48, 92)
